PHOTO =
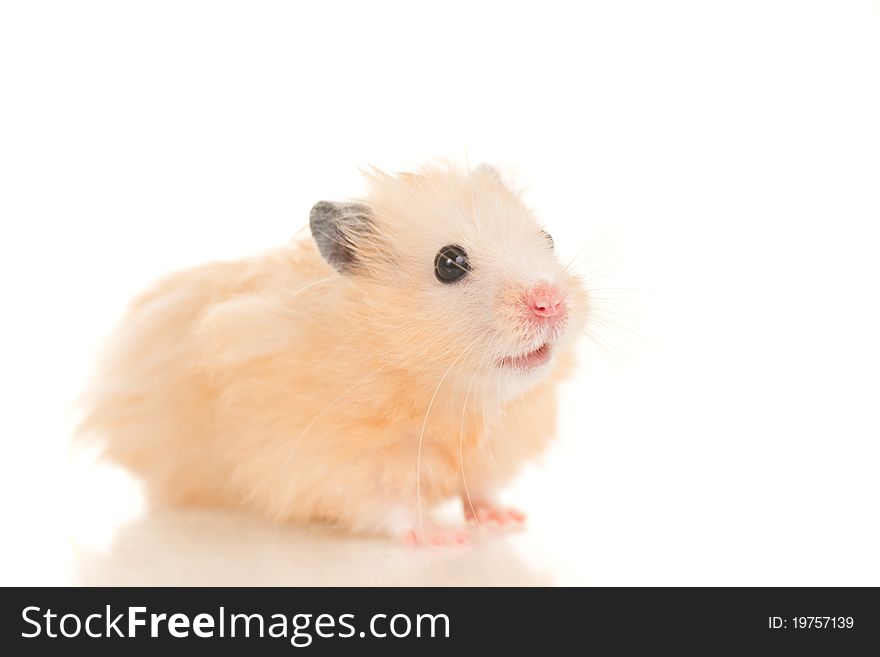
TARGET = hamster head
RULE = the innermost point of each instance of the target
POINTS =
(454, 278)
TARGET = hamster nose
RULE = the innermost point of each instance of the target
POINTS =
(545, 301)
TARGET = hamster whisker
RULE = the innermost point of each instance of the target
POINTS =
(602, 314)
(574, 265)
(619, 289)
(486, 434)
(461, 444)
(567, 266)
(503, 427)
(605, 309)
(610, 300)
(500, 411)
(624, 333)
(609, 350)
(602, 272)
(618, 327)
(422, 432)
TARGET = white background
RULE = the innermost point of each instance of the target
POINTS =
(717, 162)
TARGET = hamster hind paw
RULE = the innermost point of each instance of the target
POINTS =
(431, 535)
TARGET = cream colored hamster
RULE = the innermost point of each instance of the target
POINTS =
(405, 353)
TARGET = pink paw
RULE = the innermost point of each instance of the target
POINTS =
(435, 536)
(485, 513)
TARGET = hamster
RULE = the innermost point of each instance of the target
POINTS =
(407, 352)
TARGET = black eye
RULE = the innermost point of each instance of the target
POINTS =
(549, 238)
(451, 264)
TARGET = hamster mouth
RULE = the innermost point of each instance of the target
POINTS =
(529, 361)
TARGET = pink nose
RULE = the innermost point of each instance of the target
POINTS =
(545, 300)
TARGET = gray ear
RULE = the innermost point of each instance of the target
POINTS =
(336, 228)
(490, 170)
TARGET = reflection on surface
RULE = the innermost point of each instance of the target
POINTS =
(198, 547)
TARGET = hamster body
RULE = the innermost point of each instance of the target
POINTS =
(407, 352)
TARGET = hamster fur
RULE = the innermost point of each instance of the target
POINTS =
(339, 378)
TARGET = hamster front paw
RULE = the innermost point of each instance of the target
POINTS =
(486, 512)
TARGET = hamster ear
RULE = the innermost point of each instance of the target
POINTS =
(337, 228)
(491, 171)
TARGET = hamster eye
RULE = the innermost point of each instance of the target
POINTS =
(451, 264)
(549, 238)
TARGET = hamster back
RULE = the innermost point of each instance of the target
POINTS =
(406, 352)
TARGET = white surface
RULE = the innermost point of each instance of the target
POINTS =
(721, 163)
